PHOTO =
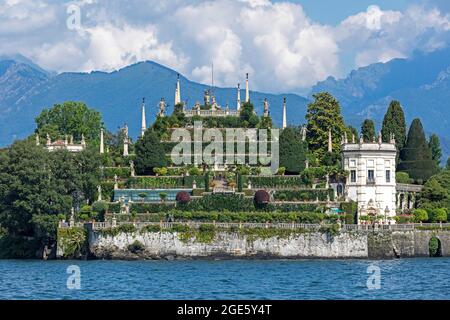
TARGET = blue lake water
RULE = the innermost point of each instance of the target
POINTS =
(427, 278)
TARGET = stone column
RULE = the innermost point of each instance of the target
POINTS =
(102, 145)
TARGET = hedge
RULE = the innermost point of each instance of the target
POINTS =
(274, 181)
(350, 209)
(304, 195)
(151, 207)
(121, 172)
(219, 202)
(165, 182)
(288, 207)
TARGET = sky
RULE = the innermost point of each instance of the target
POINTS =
(286, 46)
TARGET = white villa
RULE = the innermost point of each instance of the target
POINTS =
(371, 181)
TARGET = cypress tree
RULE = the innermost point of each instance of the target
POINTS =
(150, 153)
(206, 177)
(415, 157)
(368, 130)
(292, 152)
(435, 147)
(394, 123)
(240, 183)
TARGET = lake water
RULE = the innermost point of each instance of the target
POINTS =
(427, 278)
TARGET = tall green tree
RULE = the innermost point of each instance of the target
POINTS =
(368, 130)
(292, 151)
(248, 115)
(150, 153)
(322, 115)
(435, 146)
(415, 157)
(394, 123)
(69, 118)
(36, 187)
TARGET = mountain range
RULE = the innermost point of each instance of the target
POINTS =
(26, 90)
(421, 83)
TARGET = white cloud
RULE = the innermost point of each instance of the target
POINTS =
(281, 47)
(19, 16)
(276, 43)
(111, 47)
(379, 36)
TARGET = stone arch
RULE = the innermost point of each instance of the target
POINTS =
(435, 246)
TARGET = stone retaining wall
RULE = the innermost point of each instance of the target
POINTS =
(345, 244)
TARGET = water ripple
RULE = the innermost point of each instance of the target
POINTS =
(228, 279)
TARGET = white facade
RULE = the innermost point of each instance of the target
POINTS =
(371, 181)
(61, 145)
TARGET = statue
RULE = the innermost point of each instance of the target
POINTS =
(126, 141)
(266, 108)
(392, 140)
(206, 97)
(116, 182)
(214, 103)
(123, 206)
(133, 173)
(304, 133)
(49, 141)
(99, 191)
(162, 108)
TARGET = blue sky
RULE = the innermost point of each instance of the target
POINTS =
(334, 11)
(286, 46)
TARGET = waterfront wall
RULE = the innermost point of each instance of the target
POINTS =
(272, 243)
(226, 244)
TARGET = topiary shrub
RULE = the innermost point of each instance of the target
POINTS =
(183, 197)
(420, 215)
(439, 215)
(194, 171)
(261, 198)
(403, 177)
